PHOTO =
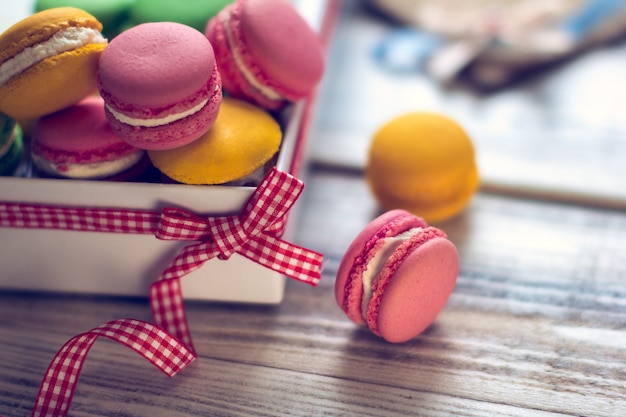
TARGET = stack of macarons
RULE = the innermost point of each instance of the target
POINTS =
(161, 83)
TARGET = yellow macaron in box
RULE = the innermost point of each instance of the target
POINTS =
(235, 151)
(423, 163)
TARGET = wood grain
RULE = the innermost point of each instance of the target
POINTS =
(535, 327)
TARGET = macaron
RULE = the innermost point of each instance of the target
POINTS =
(396, 276)
(423, 163)
(113, 14)
(161, 85)
(79, 143)
(266, 52)
(49, 61)
(194, 13)
(242, 141)
(11, 145)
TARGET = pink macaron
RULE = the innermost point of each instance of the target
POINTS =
(161, 85)
(397, 276)
(266, 52)
(79, 143)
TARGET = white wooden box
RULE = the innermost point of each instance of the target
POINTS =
(124, 264)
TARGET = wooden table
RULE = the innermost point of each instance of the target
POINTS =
(535, 327)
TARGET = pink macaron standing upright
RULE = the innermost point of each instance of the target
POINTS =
(161, 85)
(266, 52)
(397, 276)
(79, 143)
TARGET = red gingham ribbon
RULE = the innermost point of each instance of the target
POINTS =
(33, 216)
(252, 234)
(158, 347)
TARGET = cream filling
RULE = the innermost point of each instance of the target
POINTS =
(5, 148)
(62, 41)
(266, 91)
(375, 266)
(160, 121)
(88, 171)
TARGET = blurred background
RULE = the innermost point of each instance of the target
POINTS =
(538, 85)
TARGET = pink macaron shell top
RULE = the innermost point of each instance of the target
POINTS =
(275, 45)
(157, 69)
(414, 286)
(79, 134)
(349, 281)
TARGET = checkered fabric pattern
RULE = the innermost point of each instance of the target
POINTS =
(252, 234)
(33, 216)
(57, 389)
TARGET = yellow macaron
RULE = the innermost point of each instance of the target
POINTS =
(423, 163)
(241, 141)
(49, 61)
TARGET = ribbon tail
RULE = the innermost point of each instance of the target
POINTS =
(166, 295)
(294, 261)
(168, 310)
(59, 383)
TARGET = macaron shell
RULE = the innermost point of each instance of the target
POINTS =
(405, 302)
(80, 133)
(234, 82)
(160, 71)
(275, 46)
(283, 46)
(242, 139)
(53, 84)
(443, 202)
(42, 26)
(155, 65)
(349, 282)
(80, 137)
(424, 163)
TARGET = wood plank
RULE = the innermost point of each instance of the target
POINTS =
(535, 327)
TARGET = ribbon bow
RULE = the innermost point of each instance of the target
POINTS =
(254, 234)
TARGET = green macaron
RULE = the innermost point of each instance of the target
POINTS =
(113, 14)
(194, 13)
(11, 145)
